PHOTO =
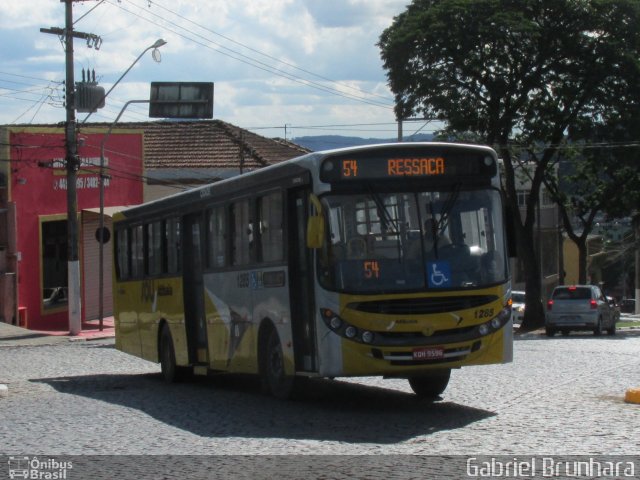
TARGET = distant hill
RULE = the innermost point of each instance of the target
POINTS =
(328, 142)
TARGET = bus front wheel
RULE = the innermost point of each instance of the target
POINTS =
(168, 356)
(274, 378)
(431, 385)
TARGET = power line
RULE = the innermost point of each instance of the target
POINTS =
(221, 49)
(14, 91)
(251, 61)
(30, 77)
(262, 53)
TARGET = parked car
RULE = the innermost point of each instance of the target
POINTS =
(579, 307)
(517, 307)
(628, 305)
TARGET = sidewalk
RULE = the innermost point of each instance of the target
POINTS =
(11, 335)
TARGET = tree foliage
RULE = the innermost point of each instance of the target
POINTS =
(603, 176)
(518, 74)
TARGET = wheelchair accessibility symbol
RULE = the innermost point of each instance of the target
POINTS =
(439, 274)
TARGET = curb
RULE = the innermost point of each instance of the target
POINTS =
(90, 338)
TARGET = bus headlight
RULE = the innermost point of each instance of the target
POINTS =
(340, 327)
(496, 323)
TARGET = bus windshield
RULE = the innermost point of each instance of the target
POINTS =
(409, 241)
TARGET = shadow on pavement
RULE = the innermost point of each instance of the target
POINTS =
(233, 406)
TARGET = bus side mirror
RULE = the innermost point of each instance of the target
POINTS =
(315, 231)
(315, 225)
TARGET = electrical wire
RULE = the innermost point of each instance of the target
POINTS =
(251, 61)
(30, 77)
(157, 4)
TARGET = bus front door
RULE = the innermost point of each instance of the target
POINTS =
(193, 288)
(301, 283)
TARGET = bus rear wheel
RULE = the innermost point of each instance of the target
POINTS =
(431, 385)
(274, 378)
(170, 371)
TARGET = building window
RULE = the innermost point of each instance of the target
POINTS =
(546, 199)
(522, 197)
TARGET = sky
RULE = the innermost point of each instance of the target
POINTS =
(281, 68)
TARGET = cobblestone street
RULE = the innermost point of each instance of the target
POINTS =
(560, 396)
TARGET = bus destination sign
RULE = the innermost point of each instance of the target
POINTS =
(361, 167)
(396, 167)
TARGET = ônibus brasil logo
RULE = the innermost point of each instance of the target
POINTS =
(35, 468)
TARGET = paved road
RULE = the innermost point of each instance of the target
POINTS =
(560, 396)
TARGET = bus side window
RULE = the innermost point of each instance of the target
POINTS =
(270, 224)
(122, 246)
(241, 235)
(154, 248)
(172, 240)
(137, 251)
(217, 236)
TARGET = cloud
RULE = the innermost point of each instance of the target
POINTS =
(18, 14)
(300, 62)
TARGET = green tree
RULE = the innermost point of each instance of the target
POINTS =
(603, 175)
(515, 74)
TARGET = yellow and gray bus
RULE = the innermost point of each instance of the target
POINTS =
(386, 260)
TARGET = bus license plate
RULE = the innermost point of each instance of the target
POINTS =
(429, 353)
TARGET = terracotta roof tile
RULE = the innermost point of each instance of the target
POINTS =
(209, 144)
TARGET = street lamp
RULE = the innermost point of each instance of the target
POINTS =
(157, 57)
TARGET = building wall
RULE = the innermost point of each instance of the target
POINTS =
(90, 266)
(37, 185)
(571, 263)
(155, 192)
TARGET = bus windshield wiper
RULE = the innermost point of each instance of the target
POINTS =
(440, 224)
(388, 219)
(382, 208)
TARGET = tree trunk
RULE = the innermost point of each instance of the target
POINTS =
(582, 260)
(534, 313)
(527, 253)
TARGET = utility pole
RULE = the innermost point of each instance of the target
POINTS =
(73, 164)
(636, 232)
